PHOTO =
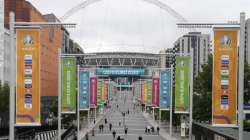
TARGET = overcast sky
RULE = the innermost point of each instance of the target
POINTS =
(135, 25)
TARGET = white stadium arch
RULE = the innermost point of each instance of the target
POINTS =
(157, 3)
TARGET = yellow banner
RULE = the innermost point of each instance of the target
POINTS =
(224, 100)
(28, 77)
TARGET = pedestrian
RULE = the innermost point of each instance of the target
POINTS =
(94, 121)
(119, 123)
(118, 138)
(105, 120)
(114, 133)
(140, 138)
(152, 129)
(128, 111)
(100, 128)
(87, 136)
(146, 130)
(93, 132)
(126, 130)
(158, 130)
(110, 126)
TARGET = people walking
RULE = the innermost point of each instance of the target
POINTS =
(105, 121)
(87, 136)
(110, 126)
(158, 130)
(93, 132)
(126, 130)
(140, 138)
(119, 123)
(114, 133)
(118, 138)
(146, 130)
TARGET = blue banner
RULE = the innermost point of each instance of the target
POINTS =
(120, 72)
(84, 90)
(165, 86)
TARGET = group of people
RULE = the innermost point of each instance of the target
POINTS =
(151, 130)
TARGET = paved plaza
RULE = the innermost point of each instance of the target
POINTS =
(134, 121)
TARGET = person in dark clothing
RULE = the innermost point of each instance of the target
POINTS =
(114, 133)
(110, 126)
(126, 130)
(118, 138)
(158, 130)
(100, 128)
(146, 130)
(105, 120)
(152, 129)
(119, 123)
(87, 136)
(93, 132)
(140, 138)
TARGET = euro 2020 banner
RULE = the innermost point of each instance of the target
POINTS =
(68, 85)
(155, 92)
(84, 96)
(224, 99)
(165, 89)
(182, 77)
(28, 77)
(93, 92)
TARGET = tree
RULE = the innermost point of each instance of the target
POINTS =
(247, 84)
(202, 98)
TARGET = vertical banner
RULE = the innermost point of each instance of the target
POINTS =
(149, 92)
(84, 90)
(93, 92)
(145, 91)
(155, 92)
(165, 89)
(68, 85)
(99, 92)
(224, 99)
(182, 78)
(28, 77)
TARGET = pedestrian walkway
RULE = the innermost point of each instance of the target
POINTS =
(124, 114)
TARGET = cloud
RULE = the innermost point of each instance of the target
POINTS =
(133, 25)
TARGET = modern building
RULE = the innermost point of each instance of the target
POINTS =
(201, 46)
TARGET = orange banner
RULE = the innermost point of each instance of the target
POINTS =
(224, 100)
(28, 77)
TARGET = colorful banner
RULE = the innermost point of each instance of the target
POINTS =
(68, 85)
(145, 91)
(182, 77)
(28, 77)
(224, 99)
(165, 89)
(149, 92)
(84, 90)
(93, 92)
(155, 92)
(99, 92)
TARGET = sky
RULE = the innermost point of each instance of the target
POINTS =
(136, 25)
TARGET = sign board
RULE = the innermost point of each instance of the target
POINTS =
(68, 85)
(182, 77)
(84, 90)
(224, 98)
(120, 72)
(28, 77)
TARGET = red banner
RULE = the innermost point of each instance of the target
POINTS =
(155, 92)
(93, 92)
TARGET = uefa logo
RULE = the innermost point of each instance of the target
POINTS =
(225, 41)
(28, 40)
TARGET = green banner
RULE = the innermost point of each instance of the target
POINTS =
(182, 77)
(99, 92)
(68, 85)
(149, 92)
